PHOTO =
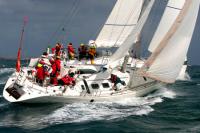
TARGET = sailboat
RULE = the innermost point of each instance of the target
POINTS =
(121, 21)
(162, 67)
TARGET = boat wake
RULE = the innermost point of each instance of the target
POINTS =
(107, 110)
(4, 74)
(6, 70)
(86, 112)
(186, 77)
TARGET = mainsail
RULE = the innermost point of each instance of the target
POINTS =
(167, 59)
(120, 23)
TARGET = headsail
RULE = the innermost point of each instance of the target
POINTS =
(128, 43)
(120, 23)
(172, 10)
(167, 59)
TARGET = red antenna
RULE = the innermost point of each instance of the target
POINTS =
(18, 63)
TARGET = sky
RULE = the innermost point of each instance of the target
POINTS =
(65, 21)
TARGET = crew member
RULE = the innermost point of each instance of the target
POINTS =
(58, 49)
(92, 54)
(44, 59)
(71, 52)
(82, 51)
(118, 83)
(56, 66)
(67, 80)
(41, 73)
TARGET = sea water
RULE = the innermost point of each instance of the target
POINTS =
(172, 109)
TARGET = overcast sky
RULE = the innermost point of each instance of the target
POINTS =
(81, 20)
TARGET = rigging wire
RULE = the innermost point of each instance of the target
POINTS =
(66, 18)
(67, 25)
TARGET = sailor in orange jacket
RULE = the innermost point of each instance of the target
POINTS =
(92, 53)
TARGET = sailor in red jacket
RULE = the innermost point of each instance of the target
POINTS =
(41, 73)
(42, 68)
(56, 66)
(71, 52)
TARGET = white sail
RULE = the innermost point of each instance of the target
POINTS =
(120, 23)
(128, 43)
(167, 63)
(172, 10)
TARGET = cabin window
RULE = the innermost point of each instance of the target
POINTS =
(95, 86)
(82, 86)
(105, 85)
(87, 71)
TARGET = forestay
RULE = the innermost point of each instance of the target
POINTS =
(120, 23)
(172, 10)
(167, 59)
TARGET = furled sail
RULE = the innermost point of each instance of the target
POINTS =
(128, 43)
(172, 10)
(120, 23)
(167, 59)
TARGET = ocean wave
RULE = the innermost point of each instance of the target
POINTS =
(84, 112)
(81, 112)
(3, 77)
(96, 111)
(6, 70)
(186, 77)
(2, 82)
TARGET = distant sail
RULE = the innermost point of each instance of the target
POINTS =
(167, 59)
(172, 10)
(120, 23)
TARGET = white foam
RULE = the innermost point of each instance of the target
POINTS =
(83, 112)
(6, 70)
(2, 82)
(80, 112)
(185, 77)
(164, 92)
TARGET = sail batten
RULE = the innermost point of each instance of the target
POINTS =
(167, 59)
(120, 23)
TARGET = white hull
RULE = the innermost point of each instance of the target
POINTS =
(33, 93)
